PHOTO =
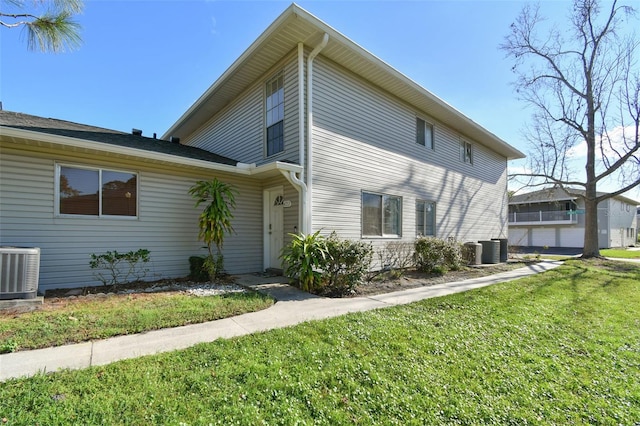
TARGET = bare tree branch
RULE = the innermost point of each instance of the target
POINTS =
(585, 88)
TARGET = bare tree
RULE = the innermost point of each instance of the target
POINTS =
(49, 24)
(584, 86)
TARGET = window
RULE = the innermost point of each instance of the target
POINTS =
(466, 152)
(96, 192)
(425, 218)
(381, 215)
(424, 133)
(274, 109)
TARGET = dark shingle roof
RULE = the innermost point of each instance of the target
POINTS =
(106, 136)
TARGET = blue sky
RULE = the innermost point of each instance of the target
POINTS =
(143, 63)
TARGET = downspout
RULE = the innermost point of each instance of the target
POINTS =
(307, 229)
(299, 180)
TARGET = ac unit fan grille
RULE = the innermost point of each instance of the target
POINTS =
(19, 272)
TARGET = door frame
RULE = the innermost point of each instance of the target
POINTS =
(266, 215)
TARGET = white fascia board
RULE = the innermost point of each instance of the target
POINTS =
(240, 168)
(275, 166)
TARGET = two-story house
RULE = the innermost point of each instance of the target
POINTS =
(313, 131)
(383, 158)
(553, 217)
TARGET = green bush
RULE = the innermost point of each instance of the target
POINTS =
(435, 255)
(328, 266)
(345, 266)
(453, 259)
(304, 257)
(197, 272)
(120, 268)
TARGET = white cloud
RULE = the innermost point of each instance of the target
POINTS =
(214, 24)
(611, 142)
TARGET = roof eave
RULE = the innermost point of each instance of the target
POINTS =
(399, 84)
(22, 134)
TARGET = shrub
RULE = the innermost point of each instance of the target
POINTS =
(452, 255)
(345, 266)
(120, 267)
(197, 272)
(328, 266)
(435, 255)
(304, 257)
(397, 257)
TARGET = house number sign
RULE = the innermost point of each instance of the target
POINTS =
(280, 201)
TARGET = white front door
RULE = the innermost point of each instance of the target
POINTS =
(274, 227)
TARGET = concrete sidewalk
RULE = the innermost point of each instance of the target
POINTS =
(293, 307)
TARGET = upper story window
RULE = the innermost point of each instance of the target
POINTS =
(425, 218)
(466, 152)
(275, 115)
(381, 215)
(424, 133)
(96, 192)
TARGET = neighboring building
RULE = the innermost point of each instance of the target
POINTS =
(323, 136)
(554, 218)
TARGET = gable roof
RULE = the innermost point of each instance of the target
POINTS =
(558, 194)
(103, 138)
(296, 25)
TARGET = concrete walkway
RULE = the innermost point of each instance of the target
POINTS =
(293, 307)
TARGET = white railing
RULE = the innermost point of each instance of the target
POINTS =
(544, 216)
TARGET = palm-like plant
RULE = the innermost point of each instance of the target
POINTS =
(215, 219)
(304, 257)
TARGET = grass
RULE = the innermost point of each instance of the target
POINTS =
(620, 253)
(83, 320)
(562, 347)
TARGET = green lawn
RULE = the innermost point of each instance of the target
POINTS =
(562, 347)
(83, 320)
(620, 253)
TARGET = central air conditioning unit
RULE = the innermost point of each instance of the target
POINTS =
(19, 272)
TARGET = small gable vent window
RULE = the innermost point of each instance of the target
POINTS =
(274, 109)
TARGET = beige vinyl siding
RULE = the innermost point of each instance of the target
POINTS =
(364, 140)
(238, 132)
(167, 222)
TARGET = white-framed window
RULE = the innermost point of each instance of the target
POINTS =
(381, 215)
(274, 110)
(87, 191)
(466, 152)
(424, 133)
(425, 218)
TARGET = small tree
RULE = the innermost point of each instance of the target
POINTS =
(50, 26)
(215, 219)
